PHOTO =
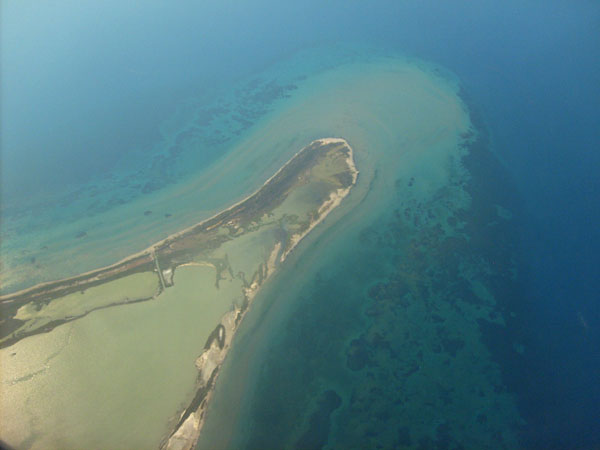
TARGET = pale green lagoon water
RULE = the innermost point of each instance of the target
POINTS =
(117, 377)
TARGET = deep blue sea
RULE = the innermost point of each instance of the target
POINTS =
(91, 93)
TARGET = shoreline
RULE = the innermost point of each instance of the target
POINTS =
(328, 161)
(11, 296)
(189, 428)
(177, 248)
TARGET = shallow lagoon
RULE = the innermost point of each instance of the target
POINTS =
(116, 377)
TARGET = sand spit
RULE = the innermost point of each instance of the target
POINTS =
(188, 430)
(148, 254)
(268, 223)
(148, 259)
(335, 198)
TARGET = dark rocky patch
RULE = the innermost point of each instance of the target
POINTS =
(214, 336)
(404, 439)
(7, 326)
(452, 345)
(357, 357)
(316, 436)
(151, 186)
(426, 443)
(196, 402)
(5, 446)
(437, 318)
(344, 178)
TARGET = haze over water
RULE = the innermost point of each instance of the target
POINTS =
(123, 124)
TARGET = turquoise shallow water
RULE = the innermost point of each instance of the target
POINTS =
(408, 128)
(122, 125)
(369, 345)
(196, 167)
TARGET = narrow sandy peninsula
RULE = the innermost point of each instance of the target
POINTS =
(219, 263)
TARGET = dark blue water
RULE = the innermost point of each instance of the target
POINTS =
(85, 87)
(535, 72)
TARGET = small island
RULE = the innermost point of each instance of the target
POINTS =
(233, 252)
